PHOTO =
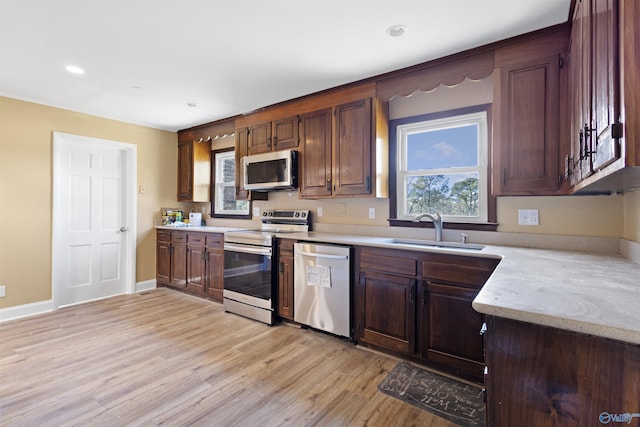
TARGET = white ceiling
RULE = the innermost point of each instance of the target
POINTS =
(146, 59)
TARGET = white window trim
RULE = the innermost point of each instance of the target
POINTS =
(479, 119)
(219, 185)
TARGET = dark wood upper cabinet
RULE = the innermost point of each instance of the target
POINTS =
(315, 162)
(194, 168)
(345, 151)
(527, 125)
(352, 149)
(605, 118)
(272, 136)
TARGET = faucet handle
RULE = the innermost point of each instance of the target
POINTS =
(464, 238)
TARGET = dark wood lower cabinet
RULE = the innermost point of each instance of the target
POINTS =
(542, 376)
(196, 264)
(215, 266)
(418, 304)
(285, 278)
(450, 329)
(191, 262)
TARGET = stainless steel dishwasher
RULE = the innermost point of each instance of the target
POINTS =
(322, 287)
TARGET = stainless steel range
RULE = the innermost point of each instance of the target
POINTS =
(250, 276)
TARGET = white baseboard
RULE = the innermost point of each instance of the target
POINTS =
(146, 285)
(630, 249)
(26, 310)
(40, 307)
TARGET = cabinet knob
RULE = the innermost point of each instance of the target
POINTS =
(123, 229)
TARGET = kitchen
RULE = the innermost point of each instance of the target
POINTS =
(564, 220)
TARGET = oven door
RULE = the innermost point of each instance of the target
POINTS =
(248, 274)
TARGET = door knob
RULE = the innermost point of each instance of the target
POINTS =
(123, 228)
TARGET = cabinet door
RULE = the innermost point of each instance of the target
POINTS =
(527, 153)
(352, 149)
(389, 311)
(215, 266)
(178, 260)
(450, 329)
(315, 167)
(163, 257)
(286, 133)
(196, 263)
(285, 278)
(604, 104)
(579, 94)
(185, 166)
(260, 138)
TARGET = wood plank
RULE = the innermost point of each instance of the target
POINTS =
(163, 357)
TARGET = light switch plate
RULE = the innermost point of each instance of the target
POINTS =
(2, 292)
(256, 211)
(319, 211)
(372, 213)
(528, 217)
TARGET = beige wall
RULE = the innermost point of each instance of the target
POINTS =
(26, 135)
(631, 209)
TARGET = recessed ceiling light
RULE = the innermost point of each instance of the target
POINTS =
(74, 70)
(191, 104)
(396, 30)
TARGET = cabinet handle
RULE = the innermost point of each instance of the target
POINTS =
(275, 141)
(204, 255)
(368, 182)
(280, 267)
(329, 184)
(587, 148)
(269, 142)
(412, 291)
(483, 329)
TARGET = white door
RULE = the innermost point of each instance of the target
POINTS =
(93, 219)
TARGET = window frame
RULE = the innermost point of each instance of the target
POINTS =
(394, 176)
(228, 153)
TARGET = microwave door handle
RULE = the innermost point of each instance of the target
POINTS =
(321, 255)
(247, 249)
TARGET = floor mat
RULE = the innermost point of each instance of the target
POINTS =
(450, 399)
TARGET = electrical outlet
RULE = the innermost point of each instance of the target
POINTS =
(319, 211)
(528, 217)
(372, 213)
(2, 291)
(256, 211)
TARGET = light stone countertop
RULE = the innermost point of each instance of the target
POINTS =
(592, 293)
(200, 228)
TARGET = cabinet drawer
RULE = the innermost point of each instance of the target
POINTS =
(459, 270)
(389, 261)
(195, 239)
(215, 240)
(163, 236)
(179, 237)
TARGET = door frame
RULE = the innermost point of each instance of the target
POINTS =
(130, 215)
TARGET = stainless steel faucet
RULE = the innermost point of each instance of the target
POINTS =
(437, 223)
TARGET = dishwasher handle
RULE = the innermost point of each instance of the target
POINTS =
(321, 255)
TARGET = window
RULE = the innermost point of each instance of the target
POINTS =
(441, 165)
(224, 187)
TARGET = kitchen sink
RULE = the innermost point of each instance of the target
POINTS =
(436, 244)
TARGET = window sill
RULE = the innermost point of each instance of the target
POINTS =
(477, 226)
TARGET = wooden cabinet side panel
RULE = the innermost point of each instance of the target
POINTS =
(551, 377)
(163, 258)
(215, 273)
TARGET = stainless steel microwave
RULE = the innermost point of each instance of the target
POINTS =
(277, 170)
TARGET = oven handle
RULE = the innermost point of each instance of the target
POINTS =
(247, 249)
(321, 255)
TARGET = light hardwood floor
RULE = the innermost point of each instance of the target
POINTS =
(165, 358)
